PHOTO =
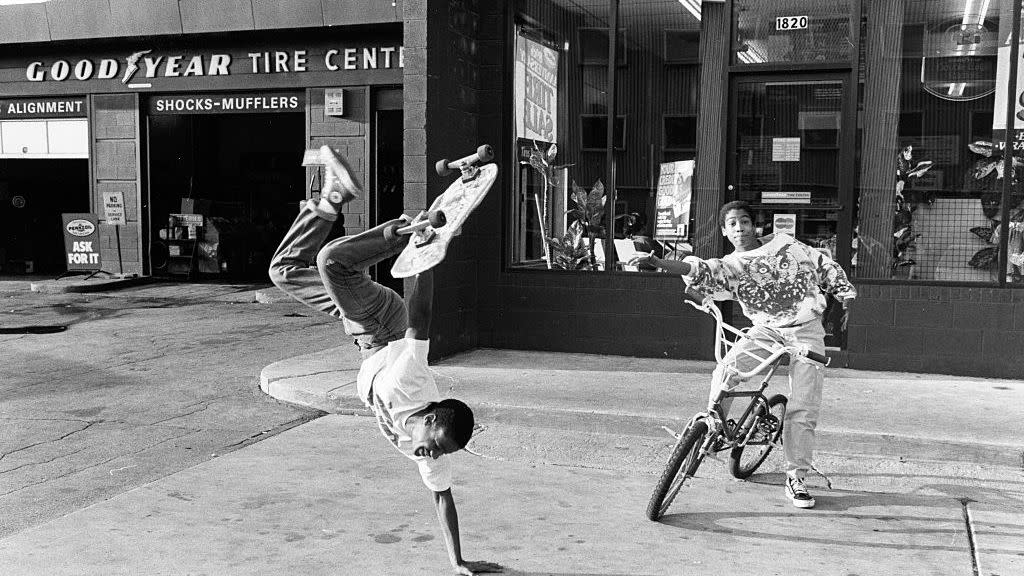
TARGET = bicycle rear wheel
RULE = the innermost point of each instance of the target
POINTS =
(681, 465)
(743, 461)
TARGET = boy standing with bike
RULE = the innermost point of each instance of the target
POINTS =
(778, 282)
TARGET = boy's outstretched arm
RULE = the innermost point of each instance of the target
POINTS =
(420, 302)
(677, 267)
(448, 516)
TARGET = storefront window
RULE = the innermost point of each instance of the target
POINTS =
(561, 99)
(562, 205)
(657, 94)
(791, 32)
(940, 218)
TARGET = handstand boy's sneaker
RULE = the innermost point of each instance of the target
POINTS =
(797, 492)
(340, 185)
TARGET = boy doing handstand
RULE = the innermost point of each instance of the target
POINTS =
(777, 280)
(392, 335)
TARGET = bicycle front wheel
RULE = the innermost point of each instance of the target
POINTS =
(744, 461)
(681, 465)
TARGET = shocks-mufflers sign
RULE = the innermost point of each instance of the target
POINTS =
(81, 242)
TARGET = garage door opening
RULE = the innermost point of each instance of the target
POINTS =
(223, 190)
(33, 194)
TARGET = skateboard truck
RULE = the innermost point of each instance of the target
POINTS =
(467, 165)
(423, 225)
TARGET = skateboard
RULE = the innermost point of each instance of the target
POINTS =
(434, 228)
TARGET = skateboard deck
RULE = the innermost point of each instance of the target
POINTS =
(456, 203)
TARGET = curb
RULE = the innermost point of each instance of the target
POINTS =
(82, 286)
(312, 390)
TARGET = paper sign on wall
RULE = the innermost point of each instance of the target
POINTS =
(786, 149)
(785, 223)
(113, 208)
(334, 102)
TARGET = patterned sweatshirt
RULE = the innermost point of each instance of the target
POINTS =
(778, 284)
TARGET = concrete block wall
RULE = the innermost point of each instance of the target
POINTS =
(938, 329)
(598, 313)
(449, 111)
(114, 123)
(349, 135)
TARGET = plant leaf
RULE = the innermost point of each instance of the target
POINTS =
(551, 152)
(981, 147)
(983, 232)
(984, 258)
(983, 168)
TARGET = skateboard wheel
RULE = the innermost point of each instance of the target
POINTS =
(485, 153)
(437, 218)
(442, 167)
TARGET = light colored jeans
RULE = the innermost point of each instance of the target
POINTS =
(340, 285)
(805, 383)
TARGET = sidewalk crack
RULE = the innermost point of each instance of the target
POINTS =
(23, 448)
(55, 458)
(91, 466)
(971, 539)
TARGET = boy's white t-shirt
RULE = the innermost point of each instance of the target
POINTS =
(396, 383)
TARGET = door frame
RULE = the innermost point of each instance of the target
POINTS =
(847, 163)
(380, 98)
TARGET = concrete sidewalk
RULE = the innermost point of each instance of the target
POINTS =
(331, 497)
(925, 472)
(901, 416)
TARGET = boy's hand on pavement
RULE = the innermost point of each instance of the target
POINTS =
(470, 568)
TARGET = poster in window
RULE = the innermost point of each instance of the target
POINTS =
(536, 81)
(675, 188)
(1002, 83)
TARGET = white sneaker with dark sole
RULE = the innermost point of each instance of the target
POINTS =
(797, 492)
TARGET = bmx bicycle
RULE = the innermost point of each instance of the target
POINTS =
(750, 438)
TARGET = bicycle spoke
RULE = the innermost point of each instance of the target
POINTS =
(676, 487)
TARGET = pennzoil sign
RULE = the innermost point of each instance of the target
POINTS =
(81, 241)
(79, 227)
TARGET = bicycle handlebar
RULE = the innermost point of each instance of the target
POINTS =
(706, 304)
(817, 357)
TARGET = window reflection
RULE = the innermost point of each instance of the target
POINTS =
(945, 218)
(562, 201)
(813, 32)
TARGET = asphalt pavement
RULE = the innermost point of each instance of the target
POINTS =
(919, 474)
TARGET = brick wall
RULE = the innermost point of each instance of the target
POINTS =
(597, 313)
(938, 329)
(115, 134)
(347, 134)
(453, 104)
